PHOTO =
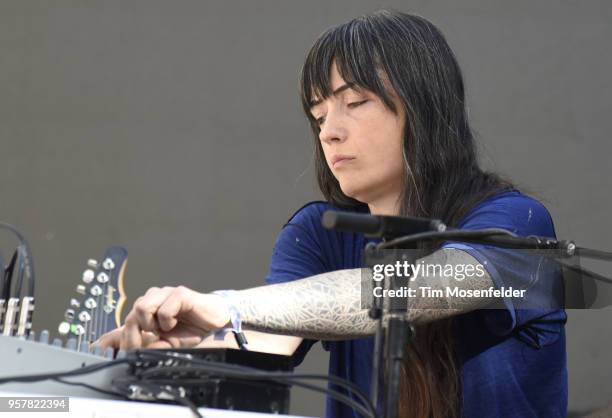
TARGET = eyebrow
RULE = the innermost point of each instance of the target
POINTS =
(334, 93)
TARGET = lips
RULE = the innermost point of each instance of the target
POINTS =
(338, 160)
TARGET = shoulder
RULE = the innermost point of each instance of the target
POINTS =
(337, 249)
(512, 210)
(304, 247)
(304, 226)
(309, 215)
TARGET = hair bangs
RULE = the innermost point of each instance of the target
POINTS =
(353, 48)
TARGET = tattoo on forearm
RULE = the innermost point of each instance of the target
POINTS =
(422, 310)
(328, 306)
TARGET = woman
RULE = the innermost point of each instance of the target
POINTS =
(385, 99)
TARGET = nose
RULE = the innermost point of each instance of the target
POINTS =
(333, 129)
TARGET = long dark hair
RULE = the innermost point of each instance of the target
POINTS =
(442, 177)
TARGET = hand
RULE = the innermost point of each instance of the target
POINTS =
(170, 317)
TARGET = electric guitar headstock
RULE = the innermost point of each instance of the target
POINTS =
(101, 296)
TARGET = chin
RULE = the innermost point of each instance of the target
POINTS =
(353, 192)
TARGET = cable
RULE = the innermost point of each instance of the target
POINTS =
(161, 392)
(261, 375)
(20, 271)
(86, 370)
(586, 272)
(334, 394)
(75, 372)
(8, 277)
(28, 260)
(90, 387)
(449, 233)
(248, 373)
(253, 371)
(186, 402)
(330, 392)
(241, 370)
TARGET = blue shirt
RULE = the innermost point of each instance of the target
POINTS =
(512, 360)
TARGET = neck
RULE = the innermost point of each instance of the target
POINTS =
(389, 205)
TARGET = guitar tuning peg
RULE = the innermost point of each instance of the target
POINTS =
(74, 303)
(44, 337)
(32, 336)
(96, 290)
(90, 303)
(102, 278)
(78, 330)
(88, 276)
(81, 289)
(64, 328)
(57, 342)
(108, 264)
(92, 263)
(69, 315)
(84, 316)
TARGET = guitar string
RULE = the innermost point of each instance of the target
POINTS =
(94, 311)
(101, 311)
(103, 326)
(97, 310)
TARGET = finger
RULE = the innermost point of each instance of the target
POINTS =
(113, 339)
(177, 303)
(142, 317)
(110, 339)
(131, 337)
(203, 312)
(160, 344)
(149, 338)
(182, 336)
(145, 307)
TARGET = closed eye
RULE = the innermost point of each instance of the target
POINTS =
(321, 120)
(356, 104)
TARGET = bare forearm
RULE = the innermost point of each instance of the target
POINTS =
(328, 306)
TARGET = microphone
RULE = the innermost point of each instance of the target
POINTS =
(379, 225)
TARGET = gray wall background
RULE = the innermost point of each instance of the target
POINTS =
(174, 128)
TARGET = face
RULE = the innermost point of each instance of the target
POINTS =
(362, 141)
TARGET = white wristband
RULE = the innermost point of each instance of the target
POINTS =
(235, 320)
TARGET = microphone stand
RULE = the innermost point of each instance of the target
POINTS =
(397, 336)
(406, 233)
(398, 328)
